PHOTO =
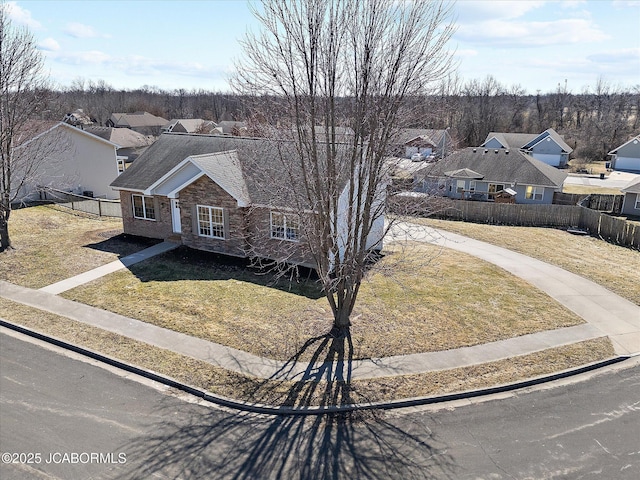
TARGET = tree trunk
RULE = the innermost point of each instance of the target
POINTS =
(5, 241)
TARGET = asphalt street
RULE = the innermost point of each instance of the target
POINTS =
(64, 417)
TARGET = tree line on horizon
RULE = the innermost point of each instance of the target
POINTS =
(592, 122)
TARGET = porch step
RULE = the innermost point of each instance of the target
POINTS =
(175, 238)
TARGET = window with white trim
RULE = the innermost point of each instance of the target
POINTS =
(637, 207)
(210, 222)
(285, 227)
(121, 165)
(534, 193)
(143, 207)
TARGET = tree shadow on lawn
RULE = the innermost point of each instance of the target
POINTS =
(197, 442)
(184, 263)
(122, 244)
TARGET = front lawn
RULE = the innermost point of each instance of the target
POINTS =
(53, 243)
(435, 299)
(612, 266)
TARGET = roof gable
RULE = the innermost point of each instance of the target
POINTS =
(629, 145)
(499, 165)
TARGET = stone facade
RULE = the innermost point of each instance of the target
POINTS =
(159, 228)
(205, 192)
(275, 249)
(247, 230)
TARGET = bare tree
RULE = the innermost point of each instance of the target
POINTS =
(24, 90)
(365, 57)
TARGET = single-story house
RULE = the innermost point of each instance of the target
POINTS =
(130, 144)
(481, 173)
(425, 141)
(66, 158)
(141, 122)
(190, 125)
(631, 201)
(223, 194)
(627, 156)
(548, 146)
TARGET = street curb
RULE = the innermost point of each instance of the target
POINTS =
(303, 411)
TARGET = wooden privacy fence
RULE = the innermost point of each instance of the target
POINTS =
(611, 229)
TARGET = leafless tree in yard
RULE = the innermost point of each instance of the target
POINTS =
(342, 64)
(24, 89)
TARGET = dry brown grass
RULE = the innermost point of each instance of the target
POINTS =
(241, 387)
(436, 299)
(614, 267)
(587, 189)
(51, 244)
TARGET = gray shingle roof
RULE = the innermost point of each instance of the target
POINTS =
(264, 177)
(526, 140)
(498, 166)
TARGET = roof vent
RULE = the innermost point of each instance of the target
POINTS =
(495, 151)
(506, 152)
(475, 150)
(486, 151)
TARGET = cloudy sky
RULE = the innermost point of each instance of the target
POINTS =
(192, 44)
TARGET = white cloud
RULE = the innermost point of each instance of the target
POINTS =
(625, 56)
(21, 16)
(92, 57)
(626, 3)
(476, 10)
(80, 30)
(531, 34)
(49, 44)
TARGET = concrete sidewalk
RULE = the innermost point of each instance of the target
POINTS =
(606, 314)
(114, 266)
(246, 363)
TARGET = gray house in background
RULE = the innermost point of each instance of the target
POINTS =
(425, 141)
(548, 146)
(481, 174)
(627, 156)
(631, 201)
(141, 122)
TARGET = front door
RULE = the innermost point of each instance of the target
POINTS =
(175, 215)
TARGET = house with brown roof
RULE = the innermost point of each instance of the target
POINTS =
(190, 125)
(224, 194)
(481, 174)
(130, 144)
(141, 122)
(424, 141)
(548, 146)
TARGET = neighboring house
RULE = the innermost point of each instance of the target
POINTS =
(424, 141)
(130, 144)
(190, 125)
(217, 193)
(627, 156)
(78, 118)
(631, 201)
(230, 127)
(71, 159)
(548, 146)
(480, 174)
(141, 122)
